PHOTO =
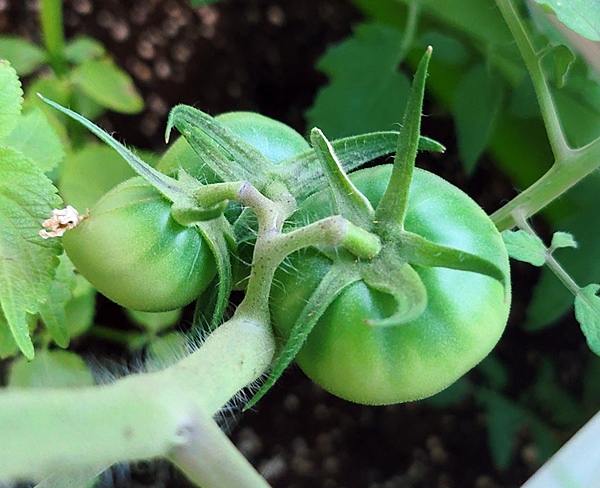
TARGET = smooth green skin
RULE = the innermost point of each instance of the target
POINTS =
(274, 139)
(465, 316)
(133, 252)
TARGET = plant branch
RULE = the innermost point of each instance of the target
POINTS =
(141, 416)
(51, 19)
(556, 136)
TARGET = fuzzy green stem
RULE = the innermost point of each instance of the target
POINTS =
(555, 182)
(51, 19)
(139, 417)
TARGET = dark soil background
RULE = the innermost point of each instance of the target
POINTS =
(259, 55)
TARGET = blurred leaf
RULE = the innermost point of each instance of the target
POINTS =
(8, 346)
(556, 404)
(154, 322)
(35, 137)
(90, 173)
(53, 309)
(523, 101)
(50, 369)
(562, 239)
(82, 49)
(524, 247)
(166, 350)
(24, 56)
(11, 98)
(504, 418)
(366, 93)
(563, 60)
(578, 104)
(450, 396)
(447, 49)
(81, 308)
(587, 312)
(27, 262)
(495, 372)
(477, 103)
(580, 16)
(198, 3)
(108, 85)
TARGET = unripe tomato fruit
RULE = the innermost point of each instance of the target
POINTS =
(465, 316)
(136, 254)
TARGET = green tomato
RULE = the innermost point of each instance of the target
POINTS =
(135, 253)
(465, 315)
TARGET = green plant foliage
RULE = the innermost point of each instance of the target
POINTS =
(580, 16)
(587, 311)
(23, 55)
(35, 137)
(525, 247)
(475, 122)
(83, 48)
(26, 267)
(11, 98)
(366, 92)
(53, 309)
(50, 369)
(155, 322)
(105, 83)
(89, 173)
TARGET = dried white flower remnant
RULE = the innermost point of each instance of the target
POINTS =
(61, 221)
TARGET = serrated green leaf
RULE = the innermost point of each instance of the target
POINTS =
(82, 49)
(366, 93)
(524, 247)
(35, 137)
(476, 106)
(89, 173)
(580, 16)
(562, 239)
(23, 55)
(50, 369)
(11, 98)
(587, 312)
(27, 262)
(105, 83)
(53, 309)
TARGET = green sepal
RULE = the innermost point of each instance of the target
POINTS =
(223, 151)
(390, 274)
(306, 173)
(219, 236)
(169, 187)
(421, 251)
(342, 274)
(186, 215)
(348, 201)
(391, 210)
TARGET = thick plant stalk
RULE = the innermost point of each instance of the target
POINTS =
(143, 416)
